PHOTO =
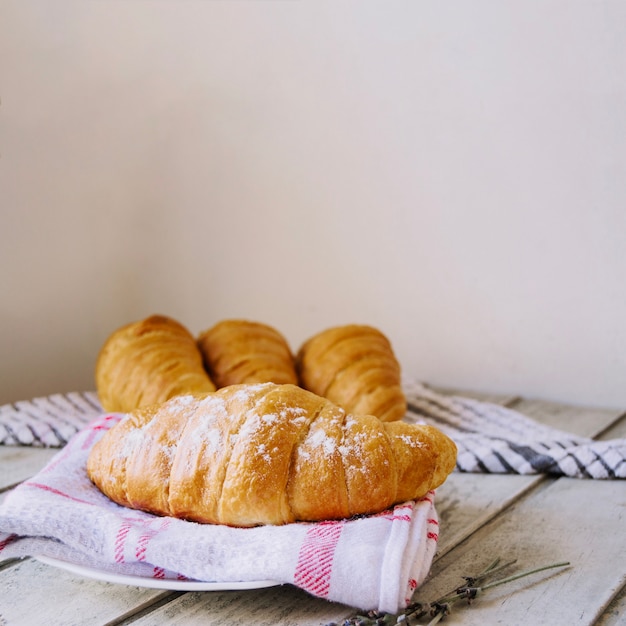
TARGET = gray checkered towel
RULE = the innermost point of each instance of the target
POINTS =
(495, 439)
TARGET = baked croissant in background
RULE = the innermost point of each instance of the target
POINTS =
(355, 367)
(265, 454)
(148, 362)
(242, 351)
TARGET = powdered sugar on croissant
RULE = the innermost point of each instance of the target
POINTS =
(265, 454)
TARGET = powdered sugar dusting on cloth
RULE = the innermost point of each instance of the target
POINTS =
(371, 562)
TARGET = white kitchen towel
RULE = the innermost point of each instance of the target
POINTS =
(369, 562)
(490, 438)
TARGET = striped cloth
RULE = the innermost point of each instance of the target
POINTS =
(368, 562)
(490, 438)
(47, 422)
(495, 439)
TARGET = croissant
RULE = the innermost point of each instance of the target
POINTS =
(355, 367)
(242, 351)
(148, 362)
(247, 455)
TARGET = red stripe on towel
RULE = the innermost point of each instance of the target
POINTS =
(104, 423)
(144, 540)
(8, 540)
(142, 544)
(315, 560)
(398, 518)
(120, 540)
(55, 491)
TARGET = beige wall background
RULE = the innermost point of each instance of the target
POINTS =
(453, 173)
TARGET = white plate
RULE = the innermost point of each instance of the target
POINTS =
(154, 583)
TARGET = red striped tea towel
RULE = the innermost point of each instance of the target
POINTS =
(372, 562)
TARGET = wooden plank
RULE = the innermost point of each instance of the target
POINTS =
(493, 398)
(563, 517)
(34, 593)
(284, 606)
(580, 521)
(465, 502)
(615, 613)
(18, 463)
(584, 421)
(616, 431)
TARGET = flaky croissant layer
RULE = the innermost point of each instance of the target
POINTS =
(148, 362)
(265, 454)
(355, 367)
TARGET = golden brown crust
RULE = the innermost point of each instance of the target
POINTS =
(148, 362)
(355, 367)
(265, 454)
(317, 490)
(243, 351)
(108, 460)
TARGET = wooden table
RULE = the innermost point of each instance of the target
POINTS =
(535, 520)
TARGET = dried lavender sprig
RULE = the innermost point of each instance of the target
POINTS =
(493, 568)
(442, 606)
(418, 610)
(513, 577)
(373, 618)
(471, 591)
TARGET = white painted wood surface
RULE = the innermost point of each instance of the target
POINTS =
(34, 593)
(615, 613)
(566, 520)
(19, 463)
(535, 519)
